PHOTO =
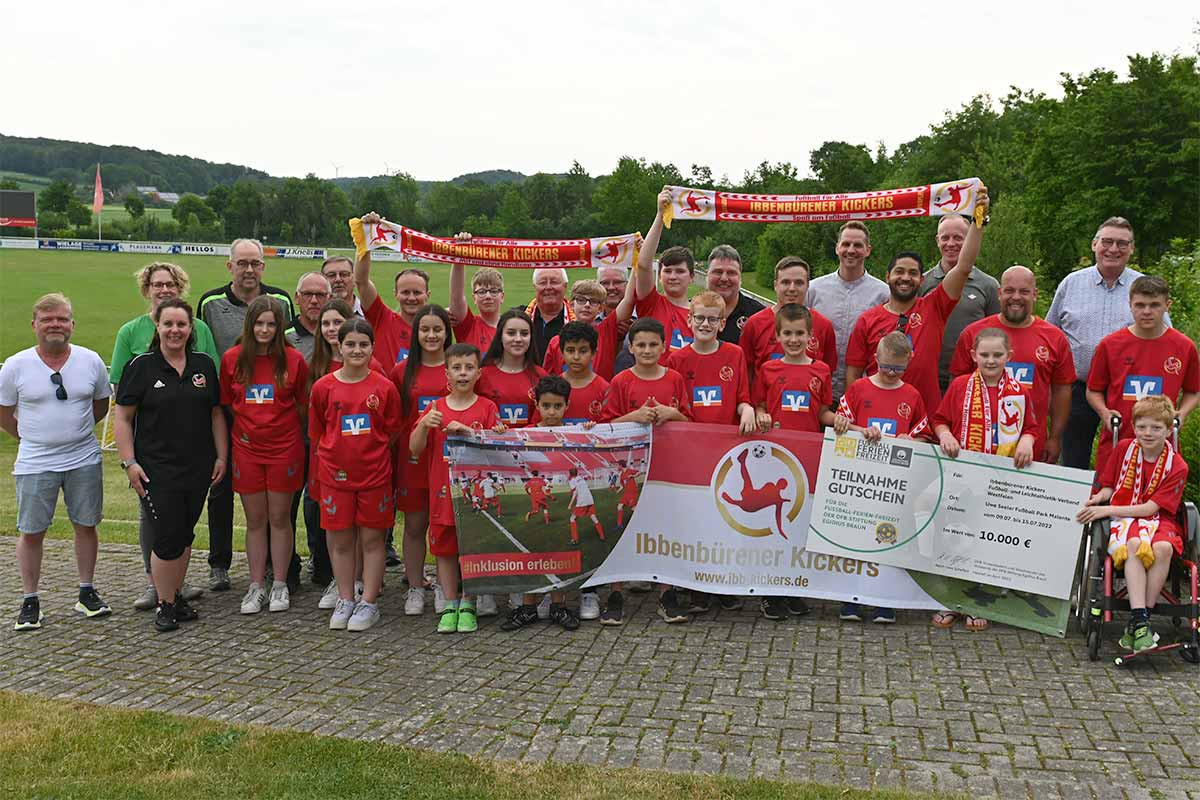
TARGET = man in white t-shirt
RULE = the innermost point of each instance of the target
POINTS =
(51, 397)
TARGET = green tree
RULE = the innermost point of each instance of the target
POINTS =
(134, 205)
(191, 204)
(244, 214)
(56, 197)
(218, 199)
(9, 183)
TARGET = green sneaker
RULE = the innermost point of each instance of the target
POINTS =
(1126, 641)
(466, 619)
(449, 621)
(1143, 638)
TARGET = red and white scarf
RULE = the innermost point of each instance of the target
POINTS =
(1135, 488)
(977, 416)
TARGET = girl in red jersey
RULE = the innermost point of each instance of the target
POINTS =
(462, 411)
(986, 411)
(420, 381)
(510, 371)
(883, 404)
(355, 412)
(264, 382)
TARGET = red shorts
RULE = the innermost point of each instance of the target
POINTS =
(342, 509)
(584, 511)
(540, 502)
(629, 500)
(412, 498)
(251, 477)
(443, 540)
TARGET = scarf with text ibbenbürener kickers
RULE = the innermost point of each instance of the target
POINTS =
(1134, 489)
(930, 200)
(977, 416)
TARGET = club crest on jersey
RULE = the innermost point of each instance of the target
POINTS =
(373, 401)
(595, 408)
(726, 373)
(260, 393)
(401, 354)
(706, 396)
(513, 413)
(1022, 372)
(813, 345)
(915, 320)
(885, 426)
(199, 381)
(1042, 353)
(1173, 366)
(1139, 386)
(795, 400)
(904, 410)
(356, 424)
(424, 401)
(814, 383)
(678, 340)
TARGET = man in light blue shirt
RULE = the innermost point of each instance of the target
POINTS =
(1089, 304)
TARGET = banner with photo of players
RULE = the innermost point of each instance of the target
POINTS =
(541, 508)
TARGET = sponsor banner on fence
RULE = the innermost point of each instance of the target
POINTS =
(540, 508)
(19, 244)
(294, 252)
(81, 245)
(147, 247)
(204, 249)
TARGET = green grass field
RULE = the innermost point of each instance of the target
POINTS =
(117, 211)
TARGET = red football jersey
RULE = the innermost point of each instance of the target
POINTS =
(898, 411)
(431, 383)
(794, 394)
(603, 360)
(511, 392)
(587, 402)
(925, 328)
(479, 415)
(536, 488)
(716, 382)
(1127, 369)
(759, 343)
(1170, 489)
(473, 330)
(393, 336)
(628, 392)
(266, 419)
(350, 426)
(1041, 358)
(950, 411)
(674, 320)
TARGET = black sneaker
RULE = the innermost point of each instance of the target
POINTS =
(796, 606)
(701, 602)
(614, 610)
(730, 602)
(30, 616)
(165, 620)
(563, 616)
(774, 608)
(90, 604)
(669, 608)
(218, 579)
(521, 616)
(393, 560)
(184, 611)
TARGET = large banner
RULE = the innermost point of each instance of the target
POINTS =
(18, 209)
(930, 200)
(605, 251)
(540, 508)
(728, 514)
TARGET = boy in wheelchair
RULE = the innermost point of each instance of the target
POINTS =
(1141, 489)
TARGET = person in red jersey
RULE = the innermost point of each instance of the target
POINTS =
(986, 411)
(883, 404)
(794, 392)
(676, 267)
(923, 319)
(462, 412)
(587, 301)
(589, 391)
(510, 369)
(487, 287)
(714, 372)
(758, 335)
(354, 415)
(264, 383)
(535, 487)
(627, 479)
(1041, 360)
(1140, 494)
(393, 329)
(1146, 359)
(420, 379)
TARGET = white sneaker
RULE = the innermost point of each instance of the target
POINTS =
(414, 602)
(439, 598)
(589, 606)
(358, 591)
(330, 598)
(342, 611)
(147, 600)
(252, 603)
(485, 606)
(544, 607)
(365, 616)
(280, 598)
(515, 600)
(189, 592)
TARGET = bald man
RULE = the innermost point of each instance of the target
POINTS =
(1040, 361)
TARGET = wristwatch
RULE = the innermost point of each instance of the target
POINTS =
(127, 464)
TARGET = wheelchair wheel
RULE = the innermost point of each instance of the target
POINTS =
(1093, 644)
(1190, 653)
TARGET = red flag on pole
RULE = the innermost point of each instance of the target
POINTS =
(98, 194)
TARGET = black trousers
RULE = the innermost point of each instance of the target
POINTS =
(1080, 432)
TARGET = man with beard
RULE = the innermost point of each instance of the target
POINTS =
(339, 271)
(725, 278)
(979, 297)
(1040, 360)
(922, 319)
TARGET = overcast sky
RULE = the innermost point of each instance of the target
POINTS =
(438, 89)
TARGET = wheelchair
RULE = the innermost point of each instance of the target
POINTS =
(1100, 589)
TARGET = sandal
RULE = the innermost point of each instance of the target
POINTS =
(975, 624)
(944, 619)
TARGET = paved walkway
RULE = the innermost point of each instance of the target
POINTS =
(1004, 712)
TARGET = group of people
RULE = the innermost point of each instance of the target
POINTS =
(342, 405)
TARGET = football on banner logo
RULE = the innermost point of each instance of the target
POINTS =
(759, 489)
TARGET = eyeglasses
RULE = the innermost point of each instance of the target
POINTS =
(705, 320)
(1120, 244)
(244, 264)
(61, 391)
(894, 369)
(163, 284)
(902, 322)
(489, 292)
(314, 295)
(586, 301)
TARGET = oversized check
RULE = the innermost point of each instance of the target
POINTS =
(976, 517)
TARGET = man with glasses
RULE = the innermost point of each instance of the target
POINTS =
(51, 397)
(1088, 305)
(922, 319)
(339, 271)
(312, 293)
(224, 311)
